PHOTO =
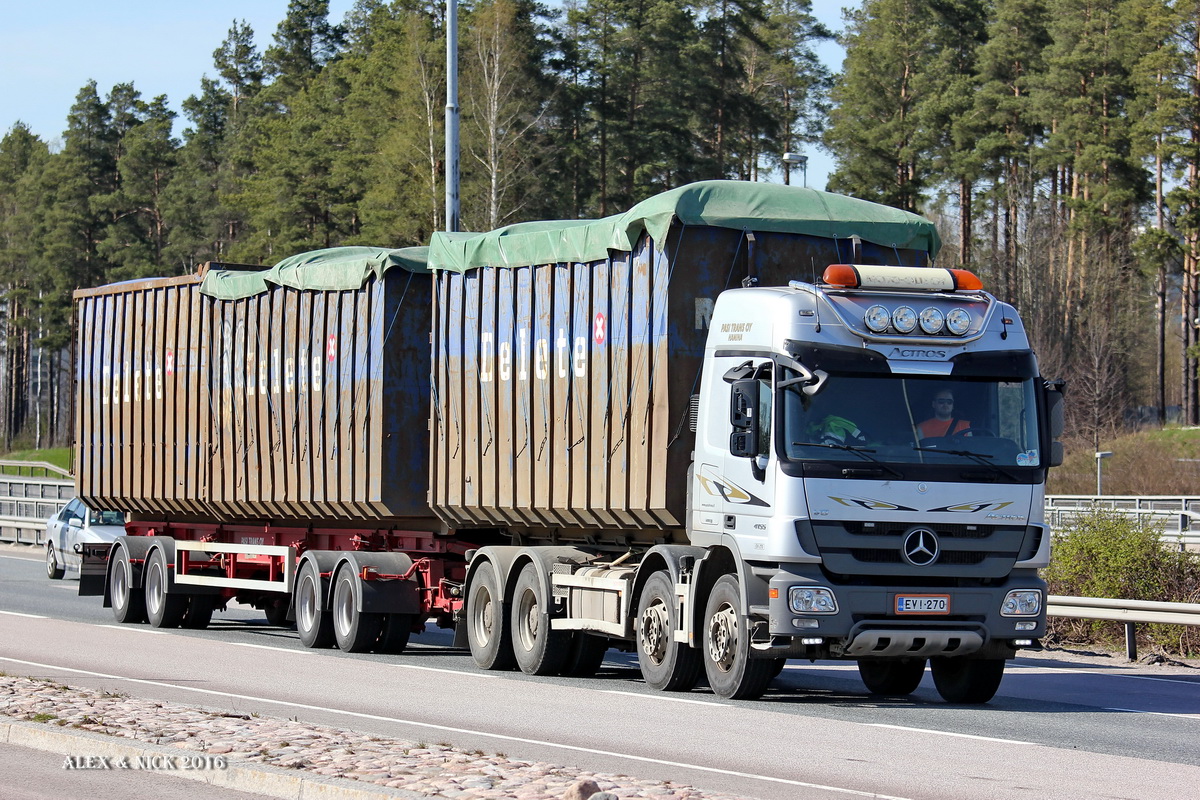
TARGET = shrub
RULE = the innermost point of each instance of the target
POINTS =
(1105, 554)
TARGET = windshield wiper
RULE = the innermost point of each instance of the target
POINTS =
(862, 452)
(978, 458)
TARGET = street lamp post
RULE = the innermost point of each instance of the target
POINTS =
(798, 159)
(1100, 456)
(452, 206)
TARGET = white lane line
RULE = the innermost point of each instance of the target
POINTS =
(946, 733)
(665, 697)
(270, 647)
(467, 731)
(136, 629)
(446, 671)
(30, 557)
(19, 614)
(1155, 713)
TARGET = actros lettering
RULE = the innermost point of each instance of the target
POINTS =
(503, 360)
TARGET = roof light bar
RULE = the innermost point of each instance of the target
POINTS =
(863, 276)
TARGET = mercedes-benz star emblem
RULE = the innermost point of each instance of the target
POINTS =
(920, 547)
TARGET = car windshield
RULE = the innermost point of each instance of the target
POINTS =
(905, 419)
(106, 518)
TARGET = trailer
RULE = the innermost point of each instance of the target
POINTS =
(694, 430)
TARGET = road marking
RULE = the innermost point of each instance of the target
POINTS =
(468, 731)
(663, 697)
(30, 557)
(946, 733)
(269, 647)
(446, 671)
(1155, 713)
(135, 629)
(19, 614)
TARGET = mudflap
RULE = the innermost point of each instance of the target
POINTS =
(93, 569)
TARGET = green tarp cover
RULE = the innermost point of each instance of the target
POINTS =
(727, 204)
(334, 269)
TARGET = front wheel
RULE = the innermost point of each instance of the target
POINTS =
(488, 634)
(313, 623)
(539, 649)
(732, 674)
(355, 631)
(128, 603)
(969, 681)
(666, 665)
(892, 678)
(54, 570)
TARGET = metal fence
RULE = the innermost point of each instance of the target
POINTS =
(1178, 515)
(1129, 612)
(27, 501)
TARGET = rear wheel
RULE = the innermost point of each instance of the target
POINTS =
(393, 638)
(969, 681)
(199, 611)
(164, 610)
(488, 634)
(585, 655)
(666, 665)
(732, 674)
(54, 570)
(276, 611)
(313, 623)
(540, 650)
(128, 603)
(354, 630)
(893, 677)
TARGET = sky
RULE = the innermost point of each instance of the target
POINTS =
(49, 50)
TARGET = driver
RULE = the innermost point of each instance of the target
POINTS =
(943, 422)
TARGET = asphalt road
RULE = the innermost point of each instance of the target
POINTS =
(1057, 729)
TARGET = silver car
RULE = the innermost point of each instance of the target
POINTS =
(76, 524)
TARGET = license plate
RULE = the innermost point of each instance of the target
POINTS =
(922, 604)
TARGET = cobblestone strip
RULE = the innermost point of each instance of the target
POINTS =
(434, 770)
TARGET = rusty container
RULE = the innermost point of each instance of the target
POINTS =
(290, 405)
(563, 392)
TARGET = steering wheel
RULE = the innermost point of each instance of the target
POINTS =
(973, 432)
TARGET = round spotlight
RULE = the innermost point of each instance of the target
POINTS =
(932, 320)
(877, 319)
(958, 321)
(904, 319)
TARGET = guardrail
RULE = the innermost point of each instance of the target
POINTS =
(1179, 515)
(27, 502)
(1129, 612)
(32, 469)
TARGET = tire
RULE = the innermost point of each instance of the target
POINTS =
(354, 630)
(539, 649)
(128, 603)
(488, 632)
(585, 654)
(967, 681)
(393, 638)
(314, 624)
(731, 672)
(54, 570)
(163, 610)
(666, 665)
(199, 611)
(276, 611)
(893, 678)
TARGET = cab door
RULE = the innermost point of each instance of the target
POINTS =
(748, 466)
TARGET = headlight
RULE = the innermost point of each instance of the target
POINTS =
(812, 600)
(932, 320)
(905, 319)
(958, 321)
(1022, 603)
(877, 319)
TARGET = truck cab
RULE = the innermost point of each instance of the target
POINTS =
(873, 449)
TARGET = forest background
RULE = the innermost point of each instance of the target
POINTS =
(1055, 142)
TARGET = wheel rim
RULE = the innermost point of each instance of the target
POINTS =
(306, 603)
(528, 620)
(343, 603)
(652, 632)
(51, 561)
(722, 637)
(120, 584)
(482, 619)
(154, 587)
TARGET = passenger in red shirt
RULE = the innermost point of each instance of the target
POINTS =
(943, 422)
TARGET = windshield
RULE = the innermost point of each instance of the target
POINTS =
(913, 419)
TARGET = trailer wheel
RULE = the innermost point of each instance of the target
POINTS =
(732, 674)
(356, 631)
(276, 611)
(667, 665)
(54, 570)
(128, 603)
(394, 636)
(893, 678)
(314, 624)
(585, 654)
(164, 610)
(199, 611)
(488, 634)
(540, 650)
(969, 681)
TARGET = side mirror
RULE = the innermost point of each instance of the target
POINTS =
(75, 522)
(1056, 454)
(743, 416)
(1054, 407)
